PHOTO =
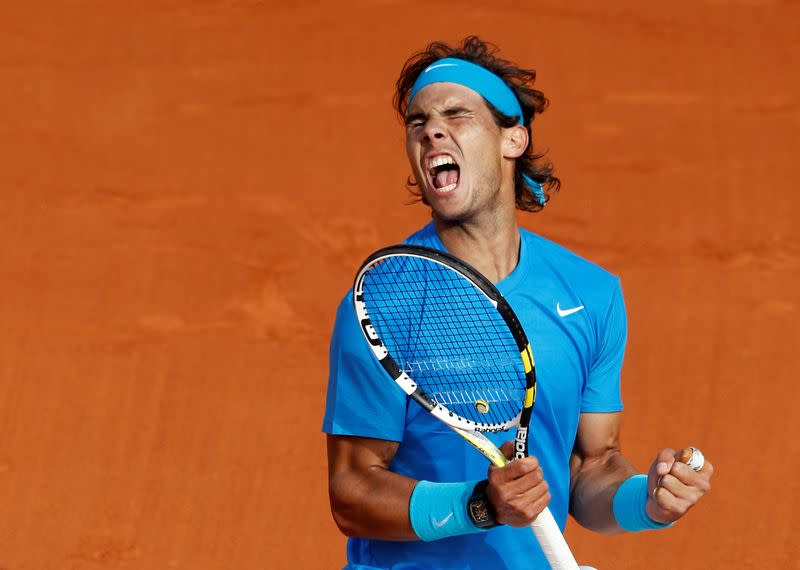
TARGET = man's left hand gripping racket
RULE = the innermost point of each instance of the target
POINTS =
(447, 337)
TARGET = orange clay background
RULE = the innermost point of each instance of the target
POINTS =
(188, 187)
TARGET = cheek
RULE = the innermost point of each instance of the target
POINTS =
(482, 158)
(412, 152)
(483, 147)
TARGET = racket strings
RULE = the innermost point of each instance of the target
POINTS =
(447, 336)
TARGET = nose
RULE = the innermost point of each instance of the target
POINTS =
(434, 130)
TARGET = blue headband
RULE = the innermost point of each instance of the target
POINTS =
(486, 84)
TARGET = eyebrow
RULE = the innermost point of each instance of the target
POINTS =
(415, 117)
(448, 112)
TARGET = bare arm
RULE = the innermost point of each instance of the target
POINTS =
(597, 469)
(368, 500)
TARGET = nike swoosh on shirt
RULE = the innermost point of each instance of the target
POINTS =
(443, 521)
(564, 312)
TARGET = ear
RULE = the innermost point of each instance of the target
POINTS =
(515, 141)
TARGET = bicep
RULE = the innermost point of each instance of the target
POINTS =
(598, 434)
(596, 444)
(597, 467)
(359, 454)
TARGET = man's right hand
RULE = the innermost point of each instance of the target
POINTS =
(518, 491)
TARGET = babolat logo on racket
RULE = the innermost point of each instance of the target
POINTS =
(519, 443)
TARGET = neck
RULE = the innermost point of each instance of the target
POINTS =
(490, 246)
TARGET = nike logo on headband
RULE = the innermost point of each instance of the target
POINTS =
(440, 65)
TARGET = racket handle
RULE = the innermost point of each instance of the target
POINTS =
(544, 527)
(552, 542)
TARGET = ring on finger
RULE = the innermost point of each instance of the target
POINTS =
(696, 461)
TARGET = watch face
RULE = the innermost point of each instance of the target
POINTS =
(479, 508)
(480, 515)
(479, 511)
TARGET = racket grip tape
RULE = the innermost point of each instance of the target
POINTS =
(552, 542)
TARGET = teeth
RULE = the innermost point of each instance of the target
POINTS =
(440, 160)
(448, 188)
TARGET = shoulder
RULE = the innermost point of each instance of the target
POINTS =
(574, 281)
(346, 330)
(346, 304)
(569, 265)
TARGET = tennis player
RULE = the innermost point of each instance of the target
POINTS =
(409, 492)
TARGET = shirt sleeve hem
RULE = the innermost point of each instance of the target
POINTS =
(334, 429)
(602, 408)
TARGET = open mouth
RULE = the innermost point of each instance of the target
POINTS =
(444, 173)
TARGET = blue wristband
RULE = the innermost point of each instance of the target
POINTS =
(439, 510)
(629, 506)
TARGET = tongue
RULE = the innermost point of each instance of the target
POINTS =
(446, 177)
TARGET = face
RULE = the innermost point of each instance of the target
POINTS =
(456, 151)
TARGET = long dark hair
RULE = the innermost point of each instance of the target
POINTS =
(532, 101)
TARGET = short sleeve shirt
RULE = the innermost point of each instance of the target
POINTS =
(573, 314)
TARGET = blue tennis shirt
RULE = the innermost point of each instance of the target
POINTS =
(574, 316)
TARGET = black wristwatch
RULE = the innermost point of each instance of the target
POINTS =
(479, 509)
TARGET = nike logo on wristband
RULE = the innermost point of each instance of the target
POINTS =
(442, 522)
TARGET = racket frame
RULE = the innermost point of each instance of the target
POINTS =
(493, 296)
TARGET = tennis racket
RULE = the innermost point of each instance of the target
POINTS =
(449, 339)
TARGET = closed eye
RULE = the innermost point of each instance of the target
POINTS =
(457, 113)
(416, 120)
(419, 119)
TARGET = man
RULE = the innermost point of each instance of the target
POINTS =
(468, 140)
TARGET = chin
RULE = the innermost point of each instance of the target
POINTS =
(450, 206)
(446, 214)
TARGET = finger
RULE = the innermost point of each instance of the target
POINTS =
(692, 457)
(513, 470)
(510, 482)
(679, 489)
(527, 488)
(691, 478)
(508, 449)
(532, 509)
(522, 509)
(708, 470)
(669, 503)
(664, 461)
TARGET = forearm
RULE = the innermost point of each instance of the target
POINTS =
(369, 501)
(372, 504)
(592, 488)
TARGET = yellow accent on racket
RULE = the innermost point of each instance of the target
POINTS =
(527, 359)
(530, 396)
